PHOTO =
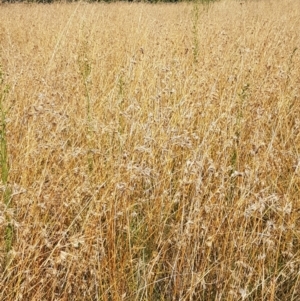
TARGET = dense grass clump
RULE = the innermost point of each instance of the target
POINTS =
(150, 152)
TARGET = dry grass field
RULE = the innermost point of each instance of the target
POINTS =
(150, 152)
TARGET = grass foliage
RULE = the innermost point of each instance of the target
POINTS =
(150, 152)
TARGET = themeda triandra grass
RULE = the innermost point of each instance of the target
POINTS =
(141, 172)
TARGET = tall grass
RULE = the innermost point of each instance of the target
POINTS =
(6, 190)
(141, 169)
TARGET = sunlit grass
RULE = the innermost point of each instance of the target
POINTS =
(153, 151)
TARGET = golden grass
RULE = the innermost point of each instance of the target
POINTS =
(154, 154)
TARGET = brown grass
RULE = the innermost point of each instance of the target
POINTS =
(154, 154)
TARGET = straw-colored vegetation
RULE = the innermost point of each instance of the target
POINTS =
(150, 152)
